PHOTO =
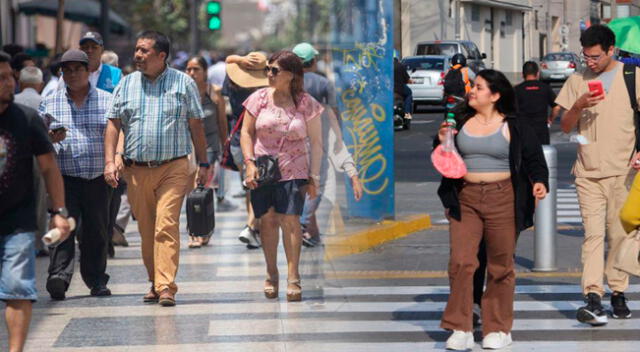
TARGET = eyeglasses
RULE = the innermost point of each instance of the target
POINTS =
(274, 70)
(592, 58)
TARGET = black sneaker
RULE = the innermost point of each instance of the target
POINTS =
(619, 309)
(100, 291)
(593, 313)
(56, 288)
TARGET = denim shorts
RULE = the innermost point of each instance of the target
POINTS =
(18, 267)
(286, 197)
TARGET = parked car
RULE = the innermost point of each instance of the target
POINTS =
(452, 47)
(427, 78)
(559, 66)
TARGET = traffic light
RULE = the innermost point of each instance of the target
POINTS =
(214, 21)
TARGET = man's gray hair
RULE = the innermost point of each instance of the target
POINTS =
(31, 75)
(109, 58)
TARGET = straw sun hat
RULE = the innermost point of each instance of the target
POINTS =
(249, 78)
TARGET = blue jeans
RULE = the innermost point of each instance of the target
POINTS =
(18, 267)
(408, 99)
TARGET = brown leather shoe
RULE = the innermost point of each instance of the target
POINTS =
(167, 299)
(151, 296)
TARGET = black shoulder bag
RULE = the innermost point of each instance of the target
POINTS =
(629, 74)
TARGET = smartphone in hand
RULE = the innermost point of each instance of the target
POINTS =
(596, 86)
(59, 129)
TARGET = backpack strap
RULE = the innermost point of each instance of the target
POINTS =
(629, 74)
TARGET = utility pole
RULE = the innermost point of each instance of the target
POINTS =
(456, 10)
(194, 31)
(59, 23)
(104, 22)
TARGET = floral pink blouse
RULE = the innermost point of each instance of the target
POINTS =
(271, 127)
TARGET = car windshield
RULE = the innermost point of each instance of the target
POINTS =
(424, 64)
(446, 49)
(558, 57)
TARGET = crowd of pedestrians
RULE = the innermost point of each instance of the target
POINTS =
(101, 147)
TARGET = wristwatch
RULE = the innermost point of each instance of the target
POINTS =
(315, 178)
(60, 211)
(205, 165)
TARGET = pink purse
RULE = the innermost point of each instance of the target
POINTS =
(445, 157)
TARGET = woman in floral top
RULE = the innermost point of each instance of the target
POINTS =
(277, 121)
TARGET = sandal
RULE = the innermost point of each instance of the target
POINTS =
(294, 294)
(270, 289)
(193, 242)
(205, 240)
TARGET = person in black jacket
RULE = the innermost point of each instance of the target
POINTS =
(493, 202)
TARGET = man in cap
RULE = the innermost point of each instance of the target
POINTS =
(76, 119)
(245, 74)
(323, 91)
(159, 111)
(22, 137)
(101, 76)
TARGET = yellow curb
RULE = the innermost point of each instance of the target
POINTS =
(413, 274)
(364, 240)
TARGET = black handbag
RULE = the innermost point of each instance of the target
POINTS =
(268, 170)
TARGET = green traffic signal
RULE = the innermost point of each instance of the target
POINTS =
(213, 12)
(213, 7)
(215, 23)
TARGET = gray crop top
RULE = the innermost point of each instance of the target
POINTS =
(484, 153)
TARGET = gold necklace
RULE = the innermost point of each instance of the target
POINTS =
(486, 123)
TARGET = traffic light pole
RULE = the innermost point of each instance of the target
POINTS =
(194, 37)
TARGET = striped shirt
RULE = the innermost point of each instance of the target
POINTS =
(81, 153)
(155, 115)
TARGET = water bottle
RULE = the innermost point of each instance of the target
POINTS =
(448, 144)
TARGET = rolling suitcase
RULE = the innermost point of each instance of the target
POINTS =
(201, 218)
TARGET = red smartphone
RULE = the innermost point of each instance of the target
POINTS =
(596, 86)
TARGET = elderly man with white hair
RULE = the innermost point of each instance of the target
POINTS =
(31, 85)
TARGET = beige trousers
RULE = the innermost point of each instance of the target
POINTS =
(600, 202)
(156, 196)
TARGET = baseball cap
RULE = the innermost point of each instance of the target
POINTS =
(93, 36)
(305, 51)
(74, 55)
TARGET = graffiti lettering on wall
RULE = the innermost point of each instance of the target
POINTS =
(366, 146)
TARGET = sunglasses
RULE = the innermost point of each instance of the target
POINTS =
(274, 70)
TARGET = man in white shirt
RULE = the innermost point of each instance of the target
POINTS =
(30, 87)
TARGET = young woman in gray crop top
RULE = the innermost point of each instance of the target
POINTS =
(491, 204)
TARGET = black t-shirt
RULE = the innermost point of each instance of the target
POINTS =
(22, 136)
(237, 95)
(534, 99)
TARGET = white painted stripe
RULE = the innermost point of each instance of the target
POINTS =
(569, 206)
(418, 290)
(570, 219)
(528, 346)
(323, 326)
(568, 213)
(281, 305)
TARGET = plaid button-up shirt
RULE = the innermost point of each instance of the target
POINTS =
(81, 153)
(155, 115)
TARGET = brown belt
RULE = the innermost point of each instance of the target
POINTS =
(129, 162)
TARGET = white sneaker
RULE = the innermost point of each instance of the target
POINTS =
(249, 237)
(477, 315)
(460, 340)
(496, 340)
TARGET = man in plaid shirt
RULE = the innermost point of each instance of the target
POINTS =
(76, 117)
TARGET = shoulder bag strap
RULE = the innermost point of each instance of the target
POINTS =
(629, 74)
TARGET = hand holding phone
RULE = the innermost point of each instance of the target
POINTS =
(59, 129)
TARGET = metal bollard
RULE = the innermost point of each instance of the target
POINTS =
(545, 218)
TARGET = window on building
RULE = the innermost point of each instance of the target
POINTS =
(535, 19)
(508, 18)
(452, 10)
(475, 12)
(623, 11)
